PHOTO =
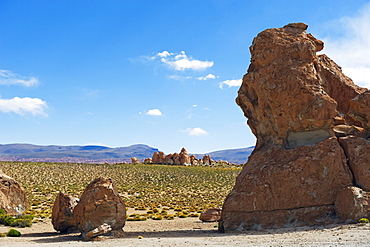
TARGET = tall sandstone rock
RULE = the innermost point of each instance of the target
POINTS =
(303, 111)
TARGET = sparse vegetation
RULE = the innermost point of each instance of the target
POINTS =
(156, 189)
(363, 220)
(19, 221)
(13, 233)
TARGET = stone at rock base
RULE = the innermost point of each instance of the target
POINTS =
(358, 153)
(352, 204)
(211, 215)
(100, 230)
(13, 199)
(62, 213)
(100, 204)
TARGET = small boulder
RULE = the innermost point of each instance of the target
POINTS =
(13, 199)
(62, 213)
(100, 204)
(211, 215)
(352, 204)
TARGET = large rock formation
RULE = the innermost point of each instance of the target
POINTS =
(100, 209)
(62, 213)
(298, 105)
(13, 199)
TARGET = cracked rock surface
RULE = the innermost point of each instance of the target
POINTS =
(312, 125)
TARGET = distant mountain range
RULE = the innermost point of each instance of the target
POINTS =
(101, 154)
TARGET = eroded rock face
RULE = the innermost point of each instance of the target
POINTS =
(62, 213)
(298, 104)
(100, 209)
(277, 181)
(13, 199)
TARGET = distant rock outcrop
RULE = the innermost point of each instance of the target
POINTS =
(309, 118)
(181, 159)
(13, 199)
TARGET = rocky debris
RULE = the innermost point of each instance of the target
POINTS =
(298, 105)
(62, 213)
(352, 204)
(13, 199)
(211, 215)
(100, 204)
(134, 160)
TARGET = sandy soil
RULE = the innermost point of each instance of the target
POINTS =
(192, 232)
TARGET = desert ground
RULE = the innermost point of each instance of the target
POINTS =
(193, 232)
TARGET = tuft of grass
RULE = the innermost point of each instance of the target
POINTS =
(363, 220)
(157, 217)
(13, 233)
(21, 223)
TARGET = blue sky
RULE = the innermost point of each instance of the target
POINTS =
(161, 73)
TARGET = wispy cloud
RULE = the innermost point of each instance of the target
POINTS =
(196, 131)
(207, 77)
(179, 77)
(24, 106)
(231, 83)
(351, 50)
(154, 112)
(7, 77)
(181, 61)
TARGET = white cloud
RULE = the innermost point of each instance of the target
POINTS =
(352, 49)
(209, 76)
(7, 77)
(164, 54)
(179, 78)
(23, 106)
(231, 83)
(195, 131)
(154, 112)
(183, 62)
